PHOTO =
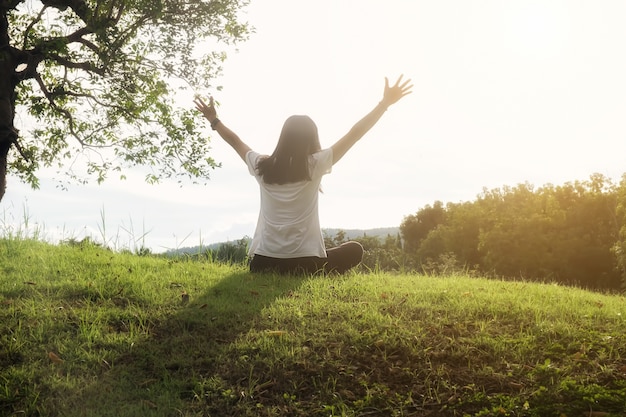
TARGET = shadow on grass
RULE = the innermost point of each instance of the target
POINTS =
(186, 360)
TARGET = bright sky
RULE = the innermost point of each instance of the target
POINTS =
(505, 92)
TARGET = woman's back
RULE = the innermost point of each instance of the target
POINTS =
(288, 224)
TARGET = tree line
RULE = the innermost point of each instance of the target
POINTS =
(573, 234)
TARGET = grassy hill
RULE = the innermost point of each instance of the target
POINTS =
(88, 332)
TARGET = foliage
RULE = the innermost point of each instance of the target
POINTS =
(416, 227)
(619, 249)
(99, 79)
(568, 233)
(87, 331)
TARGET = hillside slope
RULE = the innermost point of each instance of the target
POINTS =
(88, 332)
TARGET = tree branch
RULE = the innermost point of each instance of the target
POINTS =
(85, 66)
(95, 99)
(89, 45)
(18, 146)
(129, 32)
(32, 24)
(79, 7)
(9, 4)
(78, 35)
(64, 112)
(31, 58)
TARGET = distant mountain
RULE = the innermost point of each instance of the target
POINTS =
(380, 232)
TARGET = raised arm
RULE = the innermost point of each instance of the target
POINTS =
(390, 96)
(228, 135)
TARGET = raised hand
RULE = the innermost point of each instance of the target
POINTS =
(208, 111)
(396, 92)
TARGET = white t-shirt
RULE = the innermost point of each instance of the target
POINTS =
(288, 225)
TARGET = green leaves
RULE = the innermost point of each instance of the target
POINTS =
(103, 96)
(566, 233)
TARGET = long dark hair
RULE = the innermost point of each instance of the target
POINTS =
(290, 161)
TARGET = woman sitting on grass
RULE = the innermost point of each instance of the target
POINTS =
(288, 238)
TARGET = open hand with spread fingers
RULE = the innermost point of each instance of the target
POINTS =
(208, 111)
(397, 91)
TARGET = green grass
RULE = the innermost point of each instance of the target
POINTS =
(379, 344)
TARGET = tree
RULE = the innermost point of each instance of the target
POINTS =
(458, 235)
(619, 249)
(415, 227)
(94, 75)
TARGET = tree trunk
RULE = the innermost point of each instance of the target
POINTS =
(4, 154)
(8, 134)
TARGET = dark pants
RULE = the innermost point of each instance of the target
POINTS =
(338, 259)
